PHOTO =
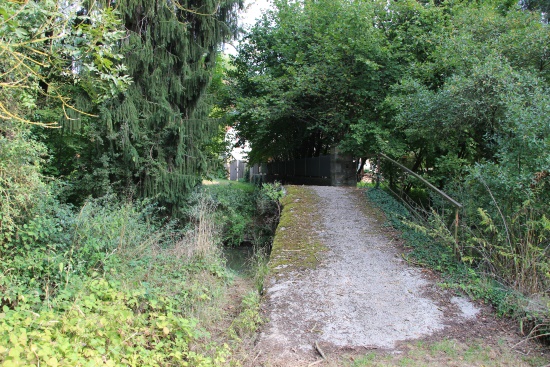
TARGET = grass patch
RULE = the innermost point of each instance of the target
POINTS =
(366, 185)
(249, 318)
(238, 185)
(447, 352)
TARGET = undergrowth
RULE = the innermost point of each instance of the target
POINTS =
(458, 275)
(243, 212)
(116, 284)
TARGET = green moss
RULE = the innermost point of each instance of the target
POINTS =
(296, 245)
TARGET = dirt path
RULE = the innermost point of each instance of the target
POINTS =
(360, 296)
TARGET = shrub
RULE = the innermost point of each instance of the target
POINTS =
(100, 325)
(122, 289)
(233, 209)
(21, 184)
(241, 212)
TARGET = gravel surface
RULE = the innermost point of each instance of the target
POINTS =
(362, 294)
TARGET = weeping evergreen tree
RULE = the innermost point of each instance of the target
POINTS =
(151, 139)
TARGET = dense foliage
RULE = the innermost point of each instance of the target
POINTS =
(136, 129)
(115, 284)
(324, 73)
(47, 51)
(47, 47)
(306, 73)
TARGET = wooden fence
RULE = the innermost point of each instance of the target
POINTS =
(329, 170)
(237, 170)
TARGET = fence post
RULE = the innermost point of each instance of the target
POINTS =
(378, 171)
(457, 250)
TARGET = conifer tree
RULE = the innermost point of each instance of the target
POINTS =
(151, 139)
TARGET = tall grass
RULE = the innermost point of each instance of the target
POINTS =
(515, 252)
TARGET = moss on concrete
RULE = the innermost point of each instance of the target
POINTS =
(297, 245)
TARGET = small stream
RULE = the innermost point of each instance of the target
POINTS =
(239, 258)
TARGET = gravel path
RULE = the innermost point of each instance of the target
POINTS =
(361, 295)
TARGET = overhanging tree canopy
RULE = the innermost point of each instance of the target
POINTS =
(315, 74)
(305, 72)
